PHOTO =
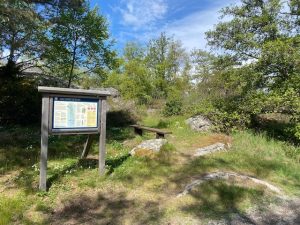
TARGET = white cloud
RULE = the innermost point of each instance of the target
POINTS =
(191, 29)
(142, 14)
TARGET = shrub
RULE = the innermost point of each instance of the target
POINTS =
(20, 102)
(173, 107)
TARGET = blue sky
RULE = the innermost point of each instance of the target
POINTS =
(142, 20)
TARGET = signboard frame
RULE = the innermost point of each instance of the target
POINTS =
(48, 94)
(59, 131)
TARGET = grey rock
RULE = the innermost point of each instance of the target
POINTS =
(227, 176)
(153, 145)
(210, 149)
(279, 212)
(199, 123)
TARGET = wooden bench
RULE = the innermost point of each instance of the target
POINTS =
(159, 133)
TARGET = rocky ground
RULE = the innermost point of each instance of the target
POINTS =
(283, 212)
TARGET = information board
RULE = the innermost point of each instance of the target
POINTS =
(75, 113)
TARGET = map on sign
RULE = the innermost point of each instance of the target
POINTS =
(72, 113)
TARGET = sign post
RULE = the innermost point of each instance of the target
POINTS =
(72, 111)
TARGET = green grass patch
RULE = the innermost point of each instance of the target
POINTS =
(217, 200)
(159, 178)
(11, 209)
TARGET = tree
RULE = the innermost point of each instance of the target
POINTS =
(261, 31)
(133, 79)
(78, 43)
(20, 30)
(165, 58)
(262, 39)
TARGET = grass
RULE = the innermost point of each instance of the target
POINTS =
(11, 209)
(139, 190)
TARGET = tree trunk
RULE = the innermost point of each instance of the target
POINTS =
(73, 63)
(12, 49)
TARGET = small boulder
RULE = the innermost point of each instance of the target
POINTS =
(210, 149)
(199, 123)
(148, 148)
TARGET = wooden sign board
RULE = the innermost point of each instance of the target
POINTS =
(70, 114)
(72, 111)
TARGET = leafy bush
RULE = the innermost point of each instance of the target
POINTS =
(173, 107)
(278, 125)
(20, 102)
(225, 120)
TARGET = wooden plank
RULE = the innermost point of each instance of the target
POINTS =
(87, 146)
(74, 131)
(151, 129)
(102, 137)
(77, 96)
(72, 91)
(50, 114)
(44, 143)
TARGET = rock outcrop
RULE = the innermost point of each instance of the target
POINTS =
(149, 147)
(210, 149)
(199, 123)
(227, 176)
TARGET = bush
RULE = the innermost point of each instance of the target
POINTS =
(120, 118)
(20, 102)
(279, 126)
(173, 107)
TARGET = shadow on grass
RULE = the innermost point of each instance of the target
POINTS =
(119, 134)
(276, 126)
(120, 118)
(20, 147)
(111, 165)
(110, 208)
(217, 200)
(114, 163)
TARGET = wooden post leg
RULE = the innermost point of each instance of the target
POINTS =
(44, 143)
(87, 146)
(138, 131)
(102, 150)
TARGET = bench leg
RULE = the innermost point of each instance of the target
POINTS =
(159, 135)
(138, 131)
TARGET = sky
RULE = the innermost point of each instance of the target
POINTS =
(142, 20)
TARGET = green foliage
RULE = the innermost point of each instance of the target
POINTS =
(19, 103)
(77, 39)
(173, 107)
(133, 81)
(259, 70)
(147, 74)
(163, 59)
(20, 30)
